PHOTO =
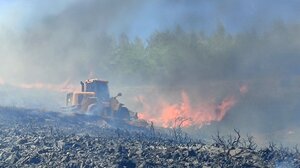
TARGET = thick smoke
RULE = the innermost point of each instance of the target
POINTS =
(68, 44)
(243, 43)
(72, 39)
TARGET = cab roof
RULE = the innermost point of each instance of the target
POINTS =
(95, 80)
(83, 93)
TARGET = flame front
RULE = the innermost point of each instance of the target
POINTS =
(2, 82)
(183, 114)
(64, 87)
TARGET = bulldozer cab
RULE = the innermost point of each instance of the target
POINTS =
(99, 87)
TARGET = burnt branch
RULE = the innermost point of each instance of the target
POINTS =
(249, 143)
(228, 143)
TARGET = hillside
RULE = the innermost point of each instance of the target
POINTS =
(33, 138)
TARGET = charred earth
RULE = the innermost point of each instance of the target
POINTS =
(32, 138)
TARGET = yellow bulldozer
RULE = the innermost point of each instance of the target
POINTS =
(94, 98)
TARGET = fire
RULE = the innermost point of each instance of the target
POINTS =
(64, 87)
(38, 86)
(2, 82)
(184, 114)
(244, 89)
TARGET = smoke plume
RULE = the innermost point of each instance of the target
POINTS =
(209, 49)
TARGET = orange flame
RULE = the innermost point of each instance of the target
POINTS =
(183, 114)
(244, 89)
(64, 87)
(2, 82)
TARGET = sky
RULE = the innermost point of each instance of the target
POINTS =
(141, 18)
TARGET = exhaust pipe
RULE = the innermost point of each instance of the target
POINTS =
(82, 86)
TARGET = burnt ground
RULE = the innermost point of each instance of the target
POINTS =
(33, 138)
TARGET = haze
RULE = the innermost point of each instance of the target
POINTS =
(210, 49)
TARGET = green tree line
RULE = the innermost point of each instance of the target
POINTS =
(165, 57)
(180, 56)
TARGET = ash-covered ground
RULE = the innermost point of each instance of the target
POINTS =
(32, 138)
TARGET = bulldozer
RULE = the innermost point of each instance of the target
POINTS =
(94, 98)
